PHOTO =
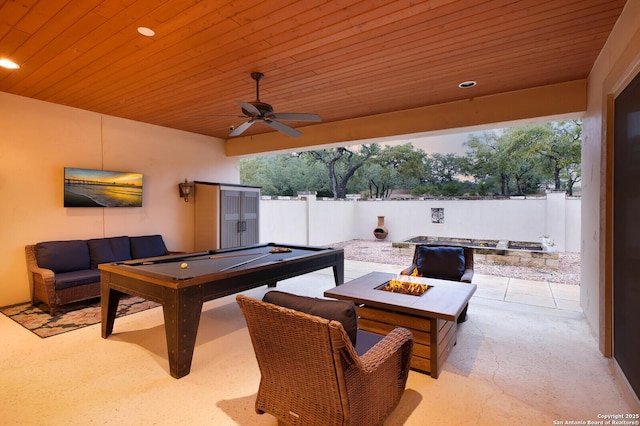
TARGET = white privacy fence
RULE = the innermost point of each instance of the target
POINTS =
(311, 221)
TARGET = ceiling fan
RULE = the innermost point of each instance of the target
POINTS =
(259, 111)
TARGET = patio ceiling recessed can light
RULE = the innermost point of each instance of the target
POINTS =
(147, 32)
(5, 63)
(467, 84)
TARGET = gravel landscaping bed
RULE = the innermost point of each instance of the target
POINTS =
(382, 252)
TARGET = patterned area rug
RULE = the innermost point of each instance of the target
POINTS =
(36, 318)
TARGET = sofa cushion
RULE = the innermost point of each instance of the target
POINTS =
(446, 263)
(147, 246)
(107, 250)
(63, 256)
(76, 278)
(339, 310)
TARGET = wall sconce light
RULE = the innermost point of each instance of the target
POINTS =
(185, 189)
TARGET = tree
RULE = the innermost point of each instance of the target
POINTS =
(284, 174)
(341, 164)
(511, 161)
(485, 160)
(522, 159)
(395, 167)
(563, 153)
(521, 146)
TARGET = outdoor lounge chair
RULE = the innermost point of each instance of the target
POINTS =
(445, 262)
(311, 373)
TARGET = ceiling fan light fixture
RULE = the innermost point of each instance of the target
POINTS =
(147, 32)
(467, 84)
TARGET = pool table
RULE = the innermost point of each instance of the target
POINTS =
(182, 283)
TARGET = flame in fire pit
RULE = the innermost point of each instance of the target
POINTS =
(407, 285)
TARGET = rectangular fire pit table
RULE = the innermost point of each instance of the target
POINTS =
(431, 317)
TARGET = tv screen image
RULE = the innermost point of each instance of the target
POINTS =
(101, 188)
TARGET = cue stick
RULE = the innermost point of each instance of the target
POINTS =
(184, 259)
(244, 263)
(224, 256)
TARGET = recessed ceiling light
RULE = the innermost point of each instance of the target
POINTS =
(467, 84)
(5, 63)
(147, 32)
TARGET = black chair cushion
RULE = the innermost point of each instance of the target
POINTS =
(445, 263)
(338, 310)
(366, 340)
(147, 246)
(107, 250)
(63, 256)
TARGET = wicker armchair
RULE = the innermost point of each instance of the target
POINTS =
(445, 262)
(311, 374)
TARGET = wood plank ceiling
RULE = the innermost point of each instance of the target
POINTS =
(340, 59)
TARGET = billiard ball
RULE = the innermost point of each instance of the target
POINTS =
(184, 266)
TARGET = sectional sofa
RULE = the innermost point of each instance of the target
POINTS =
(67, 271)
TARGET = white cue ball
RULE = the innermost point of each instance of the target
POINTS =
(184, 266)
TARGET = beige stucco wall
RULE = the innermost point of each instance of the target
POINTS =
(618, 62)
(38, 139)
(325, 222)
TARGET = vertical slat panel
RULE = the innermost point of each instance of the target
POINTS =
(230, 234)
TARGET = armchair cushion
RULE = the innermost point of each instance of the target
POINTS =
(342, 311)
(147, 246)
(107, 250)
(63, 256)
(446, 263)
(366, 341)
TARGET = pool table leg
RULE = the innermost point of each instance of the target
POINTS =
(338, 270)
(182, 308)
(109, 299)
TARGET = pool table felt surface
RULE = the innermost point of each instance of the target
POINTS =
(201, 266)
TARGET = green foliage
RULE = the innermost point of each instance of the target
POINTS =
(518, 160)
(284, 174)
(521, 160)
(395, 167)
(342, 164)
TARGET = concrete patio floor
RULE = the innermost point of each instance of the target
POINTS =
(528, 292)
(526, 356)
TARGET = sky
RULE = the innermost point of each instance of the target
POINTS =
(104, 176)
(443, 144)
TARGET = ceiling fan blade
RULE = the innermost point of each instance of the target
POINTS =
(249, 108)
(241, 128)
(283, 128)
(296, 116)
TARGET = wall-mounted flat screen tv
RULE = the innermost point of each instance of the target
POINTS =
(101, 188)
